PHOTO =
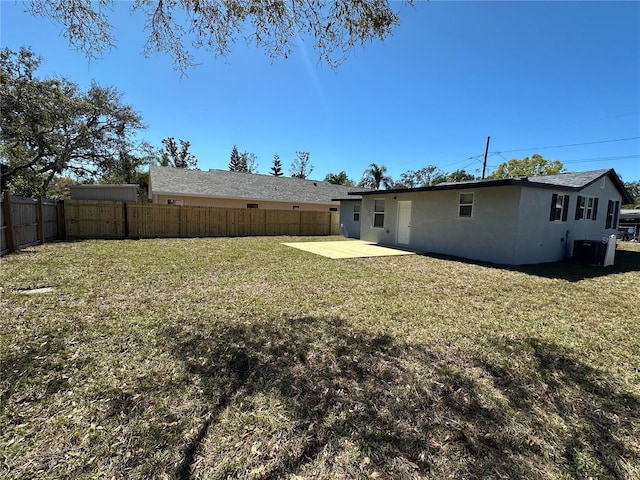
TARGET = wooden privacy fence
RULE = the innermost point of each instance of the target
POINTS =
(91, 219)
(28, 221)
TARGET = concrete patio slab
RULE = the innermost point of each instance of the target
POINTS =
(347, 249)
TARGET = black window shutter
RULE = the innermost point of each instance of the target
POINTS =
(578, 212)
(565, 208)
(616, 209)
(607, 224)
(595, 208)
(554, 200)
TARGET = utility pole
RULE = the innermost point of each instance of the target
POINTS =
(484, 164)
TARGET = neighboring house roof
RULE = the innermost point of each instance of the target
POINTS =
(567, 181)
(237, 185)
(630, 213)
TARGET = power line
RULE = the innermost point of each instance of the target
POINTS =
(599, 159)
(477, 158)
(569, 145)
(595, 159)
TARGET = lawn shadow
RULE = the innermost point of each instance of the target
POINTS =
(35, 369)
(601, 423)
(625, 261)
(413, 410)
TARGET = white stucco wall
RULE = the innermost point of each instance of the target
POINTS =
(538, 239)
(509, 224)
(541, 240)
(489, 235)
(348, 226)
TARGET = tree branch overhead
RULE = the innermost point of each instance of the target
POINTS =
(176, 27)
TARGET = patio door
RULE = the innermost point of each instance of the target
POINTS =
(404, 223)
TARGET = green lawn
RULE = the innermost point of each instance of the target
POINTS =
(243, 358)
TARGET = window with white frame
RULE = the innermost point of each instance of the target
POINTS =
(356, 212)
(378, 214)
(586, 208)
(559, 207)
(465, 205)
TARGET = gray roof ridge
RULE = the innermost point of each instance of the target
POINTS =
(220, 183)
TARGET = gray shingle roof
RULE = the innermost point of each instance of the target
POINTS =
(569, 181)
(250, 186)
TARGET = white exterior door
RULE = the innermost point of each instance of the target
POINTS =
(404, 223)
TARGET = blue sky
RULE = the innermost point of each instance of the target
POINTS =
(554, 78)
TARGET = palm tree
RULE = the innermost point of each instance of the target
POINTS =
(339, 178)
(374, 176)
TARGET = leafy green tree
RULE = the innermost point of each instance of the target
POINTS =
(301, 168)
(339, 179)
(177, 156)
(177, 26)
(126, 168)
(27, 183)
(375, 176)
(60, 188)
(129, 169)
(455, 176)
(634, 190)
(460, 176)
(527, 167)
(420, 178)
(276, 169)
(50, 127)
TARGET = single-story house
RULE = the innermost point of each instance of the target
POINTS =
(222, 188)
(514, 221)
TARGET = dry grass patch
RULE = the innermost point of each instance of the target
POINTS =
(242, 358)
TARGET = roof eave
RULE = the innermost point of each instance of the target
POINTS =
(249, 199)
(523, 182)
(626, 196)
(449, 186)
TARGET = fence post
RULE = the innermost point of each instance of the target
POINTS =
(40, 221)
(226, 223)
(8, 221)
(61, 227)
(126, 219)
